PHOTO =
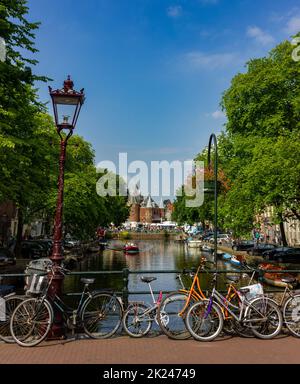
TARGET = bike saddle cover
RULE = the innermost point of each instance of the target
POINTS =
(87, 281)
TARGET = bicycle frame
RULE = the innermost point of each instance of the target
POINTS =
(199, 295)
(228, 306)
(151, 308)
(58, 303)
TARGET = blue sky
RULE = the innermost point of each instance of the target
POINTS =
(154, 70)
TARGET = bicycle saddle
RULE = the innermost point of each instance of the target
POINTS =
(235, 279)
(244, 290)
(87, 281)
(145, 279)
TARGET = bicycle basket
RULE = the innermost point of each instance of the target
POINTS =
(255, 290)
(36, 283)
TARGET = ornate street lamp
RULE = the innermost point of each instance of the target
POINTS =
(67, 104)
(214, 140)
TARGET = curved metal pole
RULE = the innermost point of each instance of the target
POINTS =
(213, 139)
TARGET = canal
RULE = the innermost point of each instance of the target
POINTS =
(154, 255)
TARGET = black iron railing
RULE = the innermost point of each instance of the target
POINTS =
(125, 275)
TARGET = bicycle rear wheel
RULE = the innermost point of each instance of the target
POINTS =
(169, 320)
(136, 322)
(11, 303)
(204, 320)
(31, 321)
(101, 315)
(265, 318)
(291, 315)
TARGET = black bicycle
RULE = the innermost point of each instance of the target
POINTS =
(99, 313)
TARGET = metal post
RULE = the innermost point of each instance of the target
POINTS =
(57, 330)
(213, 138)
(125, 287)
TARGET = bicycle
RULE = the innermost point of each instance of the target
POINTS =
(138, 317)
(204, 320)
(99, 313)
(175, 306)
(290, 307)
(8, 303)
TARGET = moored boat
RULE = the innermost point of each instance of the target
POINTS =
(277, 279)
(231, 259)
(194, 243)
(207, 248)
(226, 256)
(131, 248)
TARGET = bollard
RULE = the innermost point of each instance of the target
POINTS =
(125, 287)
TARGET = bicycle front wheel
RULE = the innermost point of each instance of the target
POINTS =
(136, 322)
(11, 303)
(31, 321)
(169, 319)
(101, 315)
(291, 315)
(204, 320)
(264, 317)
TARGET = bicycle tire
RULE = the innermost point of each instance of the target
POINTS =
(11, 303)
(134, 318)
(291, 315)
(31, 322)
(266, 308)
(101, 315)
(204, 320)
(171, 324)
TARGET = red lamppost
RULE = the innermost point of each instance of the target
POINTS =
(66, 104)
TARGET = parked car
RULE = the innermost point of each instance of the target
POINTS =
(32, 250)
(221, 238)
(207, 235)
(243, 245)
(6, 257)
(283, 255)
(258, 249)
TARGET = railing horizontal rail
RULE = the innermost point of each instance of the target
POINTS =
(126, 272)
(222, 271)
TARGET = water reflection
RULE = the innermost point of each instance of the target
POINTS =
(154, 255)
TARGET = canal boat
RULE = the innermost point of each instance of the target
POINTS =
(191, 243)
(131, 248)
(207, 248)
(226, 256)
(231, 259)
(277, 279)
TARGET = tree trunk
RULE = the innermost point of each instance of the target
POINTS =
(283, 237)
(19, 234)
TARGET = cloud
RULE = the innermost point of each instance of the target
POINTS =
(218, 115)
(200, 60)
(293, 25)
(260, 36)
(174, 11)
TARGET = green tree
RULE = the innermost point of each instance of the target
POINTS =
(259, 148)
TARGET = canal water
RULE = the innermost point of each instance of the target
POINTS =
(158, 255)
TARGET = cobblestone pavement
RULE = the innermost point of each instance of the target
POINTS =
(156, 350)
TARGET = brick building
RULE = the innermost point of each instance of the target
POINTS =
(146, 210)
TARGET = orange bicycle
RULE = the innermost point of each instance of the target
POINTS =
(175, 305)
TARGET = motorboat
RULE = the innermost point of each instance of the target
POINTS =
(191, 243)
(131, 248)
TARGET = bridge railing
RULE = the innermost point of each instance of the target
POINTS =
(125, 276)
